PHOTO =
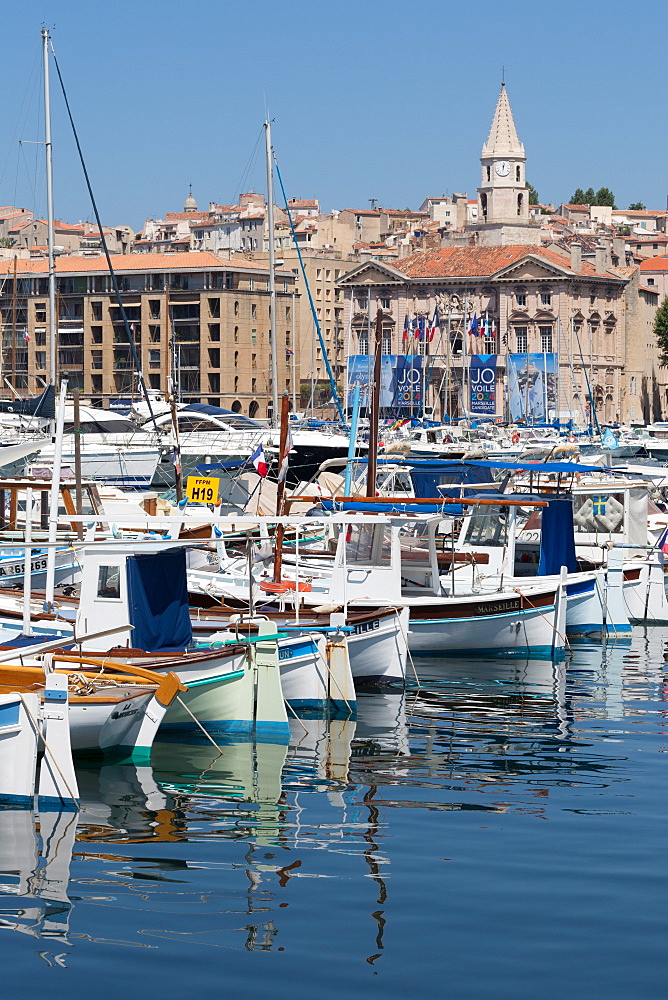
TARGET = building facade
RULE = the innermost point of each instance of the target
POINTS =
(196, 318)
(529, 300)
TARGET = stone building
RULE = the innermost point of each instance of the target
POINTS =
(201, 319)
(531, 299)
(595, 313)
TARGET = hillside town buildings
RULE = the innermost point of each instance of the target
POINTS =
(578, 280)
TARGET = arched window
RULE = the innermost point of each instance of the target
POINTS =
(518, 173)
(520, 202)
(236, 383)
(483, 203)
(489, 173)
(236, 308)
(236, 359)
(236, 406)
(253, 408)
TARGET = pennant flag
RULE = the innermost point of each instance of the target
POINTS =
(435, 324)
(288, 352)
(283, 470)
(474, 330)
(26, 336)
(258, 460)
(176, 459)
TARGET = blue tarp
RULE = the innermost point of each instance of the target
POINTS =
(429, 480)
(391, 507)
(563, 468)
(158, 599)
(557, 540)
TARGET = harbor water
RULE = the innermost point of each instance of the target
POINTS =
(499, 831)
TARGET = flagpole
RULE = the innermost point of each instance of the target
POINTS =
(280, 491)
(465, 346)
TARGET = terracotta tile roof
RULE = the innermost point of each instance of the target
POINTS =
(200, 259)
(655, 263)
(481, 262)
(646, 288)
(302, 203)
(13, 213)
(186, 215)
(624, 272)
(68, 226)
(363, 211)
(644, 213)
(576, 208)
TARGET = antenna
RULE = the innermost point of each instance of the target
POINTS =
(503, 76)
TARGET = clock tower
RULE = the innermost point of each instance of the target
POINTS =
(503, 197)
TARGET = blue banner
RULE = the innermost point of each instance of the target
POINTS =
(400, 380)
(482, 383)
(532, 387)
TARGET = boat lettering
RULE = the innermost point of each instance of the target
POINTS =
(498, 607)
(367, 626)
(285, 654)
(16, 569)
(125, 714)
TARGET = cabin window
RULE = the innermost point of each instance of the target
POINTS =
(109, 582)
(368, 545)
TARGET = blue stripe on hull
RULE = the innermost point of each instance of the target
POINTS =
(527, 651)
(17, 801)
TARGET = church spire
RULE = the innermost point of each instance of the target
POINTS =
(503, 139)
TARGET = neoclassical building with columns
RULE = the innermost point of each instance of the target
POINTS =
(592, 313)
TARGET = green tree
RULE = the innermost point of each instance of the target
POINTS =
(578, 197)
(661, 332)
(589, 197)
(7, 241)
(637, 206)
(533, 195)
(604, 196)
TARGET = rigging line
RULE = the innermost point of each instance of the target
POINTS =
(117, 292)
(31, 82)
(323, 347)
(250, 166)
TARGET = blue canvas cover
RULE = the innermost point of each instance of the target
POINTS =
(429, 478)
(158, 601)
(557, 540)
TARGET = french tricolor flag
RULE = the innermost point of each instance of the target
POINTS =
(663, 542)
(258, 460)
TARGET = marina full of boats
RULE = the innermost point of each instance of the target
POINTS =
(125, 613)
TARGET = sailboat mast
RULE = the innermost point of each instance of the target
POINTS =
(49, 209)
(272, 275)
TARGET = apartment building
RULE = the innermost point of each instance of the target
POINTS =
(195, 317)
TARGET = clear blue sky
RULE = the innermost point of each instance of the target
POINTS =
(370, 99)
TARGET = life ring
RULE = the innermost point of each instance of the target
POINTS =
(269, 587)
(572, 438)
(515, 438)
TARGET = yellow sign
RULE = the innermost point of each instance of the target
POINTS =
(202, 489)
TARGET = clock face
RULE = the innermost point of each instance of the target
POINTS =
(503, 168)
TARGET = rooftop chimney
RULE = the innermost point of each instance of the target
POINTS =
(601, 259)
(576, 257)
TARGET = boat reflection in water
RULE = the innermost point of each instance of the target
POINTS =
(326, 836)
